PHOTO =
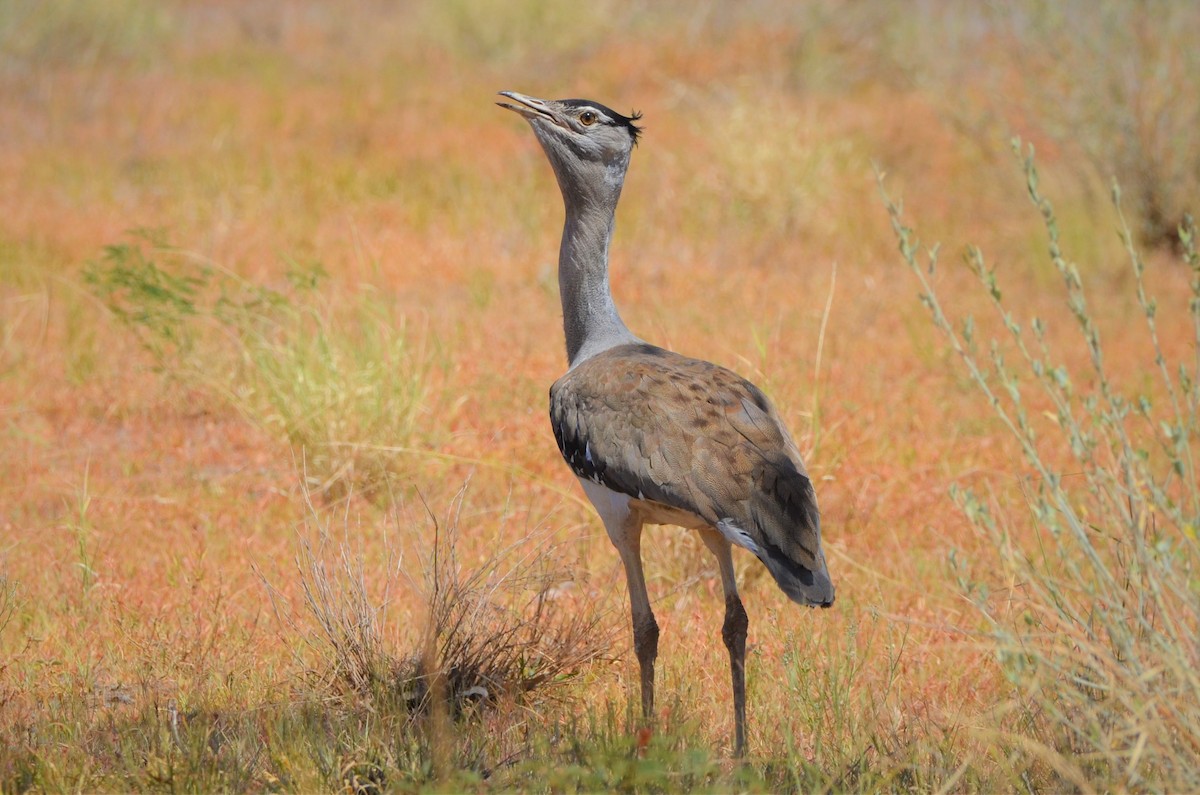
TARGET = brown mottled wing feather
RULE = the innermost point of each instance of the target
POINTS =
(686, 433)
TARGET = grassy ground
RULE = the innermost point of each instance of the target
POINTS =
(278, 315)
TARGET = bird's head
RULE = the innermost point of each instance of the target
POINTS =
(588, 144)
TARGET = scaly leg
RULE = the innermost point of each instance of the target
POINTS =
(645, 629)
(624, 528)
(628, 539)
(733, 632)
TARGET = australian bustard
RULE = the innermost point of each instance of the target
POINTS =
(655, 437)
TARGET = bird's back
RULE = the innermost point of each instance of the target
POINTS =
(692, 436)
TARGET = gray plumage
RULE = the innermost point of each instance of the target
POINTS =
(656, 437)
(684, 433)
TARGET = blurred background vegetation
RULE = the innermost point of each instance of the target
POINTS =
(277, 280)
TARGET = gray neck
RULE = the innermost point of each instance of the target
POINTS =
(590, 319)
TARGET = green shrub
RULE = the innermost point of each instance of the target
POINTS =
(1098, 632)
(53, 33)
(339, 389)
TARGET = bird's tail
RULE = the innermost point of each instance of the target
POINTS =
(811, 587)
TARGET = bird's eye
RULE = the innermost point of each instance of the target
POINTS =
(587, 118)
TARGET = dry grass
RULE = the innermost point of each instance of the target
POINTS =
(145, 497)
(499, 630)
(1098, 631)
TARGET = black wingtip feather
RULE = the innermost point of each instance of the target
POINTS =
(801, 584)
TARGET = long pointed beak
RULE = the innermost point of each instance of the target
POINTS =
(529, 107)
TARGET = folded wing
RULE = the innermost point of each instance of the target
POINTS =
(688, 434)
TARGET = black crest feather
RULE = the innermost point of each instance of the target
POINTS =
(621, 120)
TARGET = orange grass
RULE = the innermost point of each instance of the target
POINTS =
(135, 512)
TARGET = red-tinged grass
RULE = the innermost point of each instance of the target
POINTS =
(140, 515)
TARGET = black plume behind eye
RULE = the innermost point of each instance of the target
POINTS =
(619, 120)
(634, 130)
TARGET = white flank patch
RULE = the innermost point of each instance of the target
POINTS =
(736, 535)
(612, 506)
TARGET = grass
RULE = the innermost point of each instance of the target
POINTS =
(1096, 633)
(334, 391)
(70, 34)
(235, 547)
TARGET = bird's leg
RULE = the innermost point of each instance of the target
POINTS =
(645, 629)
(733, 632)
